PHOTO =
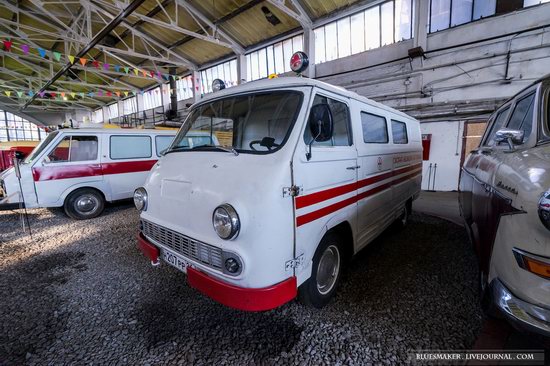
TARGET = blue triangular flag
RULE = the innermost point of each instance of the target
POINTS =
(117, 68)
(42, 52)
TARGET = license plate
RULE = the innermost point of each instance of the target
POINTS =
(176, 260)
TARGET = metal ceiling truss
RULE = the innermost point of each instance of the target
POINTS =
(299, 14)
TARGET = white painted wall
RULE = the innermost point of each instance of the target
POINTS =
(445, 151)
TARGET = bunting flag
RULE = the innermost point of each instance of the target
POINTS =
(56, 55)
(42, 52)
(125, 93)
(109, 94)
(71, 59)
(42, 94)
(152, 73)
(7, 45)
(81, 94)
(19, 94)
(52, 94)
(117, 94)
(30, 93)
(136, 71)
(8, 93)
(99, 93)
(25, 48)
(105, 66)
(95, 63)
(83, 61)
(126, 69)
(62, 94)
(144, 73)
(73, 95)
(117, 68)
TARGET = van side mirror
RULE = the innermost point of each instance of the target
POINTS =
(512, 137)
(320, 124)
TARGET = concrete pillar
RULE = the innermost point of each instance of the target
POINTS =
(242, 69)
(421, 14)
(140, 102)
(309, 49)
(105, 111)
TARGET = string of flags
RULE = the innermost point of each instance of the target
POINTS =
(86, 62)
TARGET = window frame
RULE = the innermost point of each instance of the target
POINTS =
(127, 135)
(517, 99)
(406, 133)
(46, 155)
(156, 143)
(488, 130)
(385, 123)
(450, 23)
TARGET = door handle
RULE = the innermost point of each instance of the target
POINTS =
(353, 167)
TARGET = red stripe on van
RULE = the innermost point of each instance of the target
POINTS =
(313, 198)
(312, 216)
(52, 172)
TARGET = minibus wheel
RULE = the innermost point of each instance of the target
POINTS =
(325, 273)
(84, 203)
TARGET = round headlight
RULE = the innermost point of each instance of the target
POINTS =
(140, 199)
(226, 222)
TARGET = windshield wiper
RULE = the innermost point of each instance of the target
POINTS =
(226, 149)
(176, 149)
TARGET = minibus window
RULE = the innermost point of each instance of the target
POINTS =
(375, 128)
(340, 117)
(41, 146)
(399, 132)
(250, 123)
(74, 148)
(130, 147)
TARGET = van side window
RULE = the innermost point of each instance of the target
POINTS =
(497, 125)
(130, 147)
(399, 132)
(74, 148)
(522, 117)
(162, 143)
(375, 128)
(340, 116)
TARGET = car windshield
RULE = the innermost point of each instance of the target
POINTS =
(250, 123)
(41, 146)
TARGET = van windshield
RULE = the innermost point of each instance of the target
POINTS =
(41, 146)
(249, 123)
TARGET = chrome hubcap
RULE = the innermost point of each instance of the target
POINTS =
(86, 204)
(328, 270)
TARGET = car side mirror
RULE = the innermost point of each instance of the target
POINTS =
(163, 152)
(512, 137)
(320, 124)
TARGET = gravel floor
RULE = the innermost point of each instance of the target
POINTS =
(81, 292)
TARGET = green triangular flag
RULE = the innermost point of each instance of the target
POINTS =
(19, 94)
(57, 55)
(134, 92)
(126, 69)
(173, 77)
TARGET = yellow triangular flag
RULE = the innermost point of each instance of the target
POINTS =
(8, 93)
(136, 71)
(73, 95)
(71, 59)
(126, 93)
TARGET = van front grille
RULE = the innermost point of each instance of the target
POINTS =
(184, 245)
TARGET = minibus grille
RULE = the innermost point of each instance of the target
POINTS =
(184, 245)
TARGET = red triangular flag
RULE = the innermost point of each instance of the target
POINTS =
(96, 64)
(7, 45)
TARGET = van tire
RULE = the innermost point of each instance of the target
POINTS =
(403, 219)
(84, 203)
(317, 292)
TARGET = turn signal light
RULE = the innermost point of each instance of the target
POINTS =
(534, 265)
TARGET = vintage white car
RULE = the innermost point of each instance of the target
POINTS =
(505, 201)
(305, 175)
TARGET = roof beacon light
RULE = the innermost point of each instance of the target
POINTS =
(218, 85)
(299, 62)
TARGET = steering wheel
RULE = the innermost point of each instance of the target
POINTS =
(268, 142)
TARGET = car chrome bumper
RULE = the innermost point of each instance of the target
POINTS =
(520, 313)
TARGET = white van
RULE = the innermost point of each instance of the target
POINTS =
(80, 169)
(306, 174)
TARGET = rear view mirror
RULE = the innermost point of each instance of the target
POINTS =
(512, 137)
(320, 124)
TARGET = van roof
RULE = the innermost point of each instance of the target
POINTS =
(122, 131)
(293, 81)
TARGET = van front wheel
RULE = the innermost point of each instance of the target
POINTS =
(325, 273)
(84, 203)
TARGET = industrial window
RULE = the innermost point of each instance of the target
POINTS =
(375, 129)
(273, 59)
(74, 148)
(97, 115)
(446, 13)
(152, 99)
(15, 128)
(184, 87)
(129, 106)
(399, 132)
(389, 22)
(497, 124)
(130, 147)
(112, 110)
(226, 71)
(534, 2)
(162, 143)
(522, 116)
(340, 116)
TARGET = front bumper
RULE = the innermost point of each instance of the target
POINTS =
(520, 313)
(248, 299)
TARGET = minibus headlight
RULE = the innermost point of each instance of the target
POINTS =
(140, 199)
(226, 222)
